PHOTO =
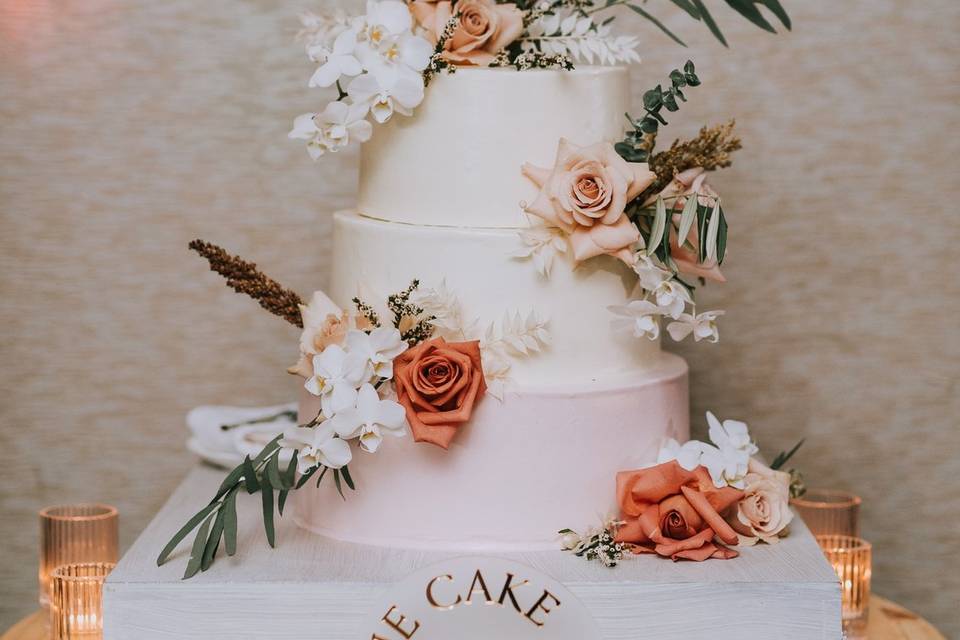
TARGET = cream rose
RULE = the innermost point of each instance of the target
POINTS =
(585, 194)
(484, 29)
(764, 511)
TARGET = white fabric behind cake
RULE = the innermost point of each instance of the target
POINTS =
(130, 127)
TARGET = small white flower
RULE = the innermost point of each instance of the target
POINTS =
(383, 100)
(702, 326)
(335, 127)
(638, 317)
(336, 376)
(672, 298)
(726, 460)
(316, 446)
(541, 244)
(370, 419)
(377, 349)
(389, 48)
(338, 61)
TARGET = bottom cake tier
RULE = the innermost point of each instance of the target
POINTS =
(519, 471)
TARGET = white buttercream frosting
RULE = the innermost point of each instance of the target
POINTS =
(457, 161)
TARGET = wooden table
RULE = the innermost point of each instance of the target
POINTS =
(888, 621)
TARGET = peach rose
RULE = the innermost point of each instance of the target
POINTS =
(485, 28)
(585, 194)
(675, 513)
(685, 184)
(764, 512)
(324, 323)
(438, 383)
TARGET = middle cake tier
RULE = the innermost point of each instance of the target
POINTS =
(373, 259)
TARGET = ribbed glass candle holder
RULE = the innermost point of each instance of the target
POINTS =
(829, 513)
(72, 534)
(76, 600)
(851, 560)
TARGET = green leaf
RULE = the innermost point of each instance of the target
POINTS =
(269, 448)
(336, 481)
(722, 238)
(687, 6)
(687, 218)
(230, 522)
(670, 102)
(345, 471)
(282, 500)
(777, 9)
(649, 125)
(290, 475)
(689, 67)
(186, 529)
(250, 476)
(784, 456)
(748, 10)
(677, 79)
(306, 477)
(709, 21)
(196, 552)
(273, 472)
(656, 229)
(659, 24)
(651, 98)
(322, 473)
(232, 479)
(213, 542)
(712, 229)
(266, 492)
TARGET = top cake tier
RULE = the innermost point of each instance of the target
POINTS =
(457, 162)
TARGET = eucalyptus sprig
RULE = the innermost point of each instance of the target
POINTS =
(217, 521)
(636, 146)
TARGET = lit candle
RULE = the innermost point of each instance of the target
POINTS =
(76, 600)
(851, 560)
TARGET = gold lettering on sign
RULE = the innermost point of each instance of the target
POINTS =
(538, 605)
(433, 601)
(478, 580)
(508, 588)
(397, 624)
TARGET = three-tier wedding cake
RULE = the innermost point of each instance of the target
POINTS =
(442, 199)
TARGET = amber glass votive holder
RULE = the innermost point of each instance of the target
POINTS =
(851, 559)
(829, 513)
(76, 600)
(72, 534)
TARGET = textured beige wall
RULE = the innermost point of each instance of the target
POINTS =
(129, 128)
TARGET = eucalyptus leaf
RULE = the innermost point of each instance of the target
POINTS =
(196, 552)
(250, 476)
(213, 542)
(232, 479)
(186, 529)
(282, 500)
(273, 472)
(656, 230)
(230, 522)
(336, 481)
(306, 477)
(777, 9)
(748, 10)
(712, 229)
(722, 238)
(687, 6)
(266, 492)
(688, 217)
(290, 475)
(269, 448)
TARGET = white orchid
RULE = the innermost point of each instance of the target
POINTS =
(333, 129)
(651, 274)
(317, 446)
(638, 317)
(672, 298)
(702, 326)
(319, 30)
(390, 49)
(377, 350)
(340, 60)
(726, 460)
(370, 419)
(541, 244)
(383, 100)
(336, 377)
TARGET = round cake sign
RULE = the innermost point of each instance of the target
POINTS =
(479, 597)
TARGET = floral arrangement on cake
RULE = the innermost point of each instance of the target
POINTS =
(380, 62)
(413, 363)
(699, 500)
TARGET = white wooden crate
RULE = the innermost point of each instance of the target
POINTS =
(312, 587)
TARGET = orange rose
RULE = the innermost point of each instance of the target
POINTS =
(675, 513)
(438, 383)
(485, 28)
